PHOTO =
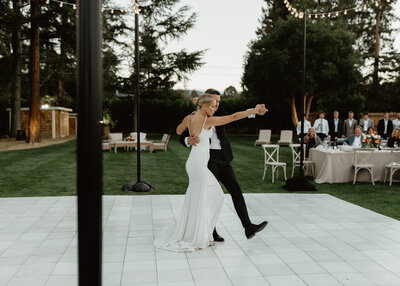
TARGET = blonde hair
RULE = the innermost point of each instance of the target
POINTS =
(204, 99)
(394, 131)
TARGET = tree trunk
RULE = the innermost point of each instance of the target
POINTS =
(34, 118)
(17, 62)
(377, 48)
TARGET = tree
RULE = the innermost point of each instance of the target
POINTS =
(230, 91)
(34, 117)
(273, 65)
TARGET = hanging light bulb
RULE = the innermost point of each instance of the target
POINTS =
(345, 12)
(74, 7)
(47, 1)
(323, 16)
(337, 13)
(365, 7)
(309, 16)
(61, 4)
(294, 9)
(102, 10)
(316, 16)
(122, 10)
(329, 15)
(112, 11)
(388, 1)
(376, 4)
(285, 1)
(301, 15)
(356, 10)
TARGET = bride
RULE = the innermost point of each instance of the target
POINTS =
(204, 197)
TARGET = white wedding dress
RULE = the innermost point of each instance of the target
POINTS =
(193, 229)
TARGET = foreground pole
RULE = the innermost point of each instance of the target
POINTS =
(300, 183)
(90, 96)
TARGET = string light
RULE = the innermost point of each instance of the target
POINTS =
(61, 4)
(365, 7)
(47, 2)
(345, 12)
(74, 6)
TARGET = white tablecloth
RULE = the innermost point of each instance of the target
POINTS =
(337, 166)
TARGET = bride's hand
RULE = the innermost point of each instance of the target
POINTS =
(260, 109)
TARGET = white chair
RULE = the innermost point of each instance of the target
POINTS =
(362, 160)
(143, 137)
(271, 158)
(296, 158)
(264, 137)
(113, 138)
(106, 145)
(160, 145)
(392, 167)
(286, 137)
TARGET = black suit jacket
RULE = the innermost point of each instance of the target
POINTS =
(332, 127)
(222, 136)
(381, 127)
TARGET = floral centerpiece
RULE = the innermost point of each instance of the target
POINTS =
(371, 140)
(129, 138)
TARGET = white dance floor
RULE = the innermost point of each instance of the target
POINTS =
(311, 239)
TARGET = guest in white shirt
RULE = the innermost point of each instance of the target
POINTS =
(366, 123)
(335, 126)
(354, 140)
(396, 122)
(385, 126)
(307, 126)
(321, 126)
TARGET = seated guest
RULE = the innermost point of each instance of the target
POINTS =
(349, 125)
(366, 122)
(321, 126)
(311, 140)
(353, 140)
(385, 126)
(307, 126)
(335, 126)
(395, 138)
(371, 131)
(396, 122)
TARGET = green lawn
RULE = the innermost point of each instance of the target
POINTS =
(51, 171)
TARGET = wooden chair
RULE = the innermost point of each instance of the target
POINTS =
(113, 138)
(286, 137)
(271, 158)
(363, 158)
(296, 158)
(264, 137)
(160, 144)
(392, 167)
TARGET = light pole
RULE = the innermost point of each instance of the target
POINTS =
(300, 183)
(139, 186)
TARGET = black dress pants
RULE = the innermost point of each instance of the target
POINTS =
(224, 173)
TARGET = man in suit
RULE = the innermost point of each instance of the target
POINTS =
(321, 126)
(220, 165)
(355, 140)
(366, 123)
(335, 126)
(385, 126)
(349, 125)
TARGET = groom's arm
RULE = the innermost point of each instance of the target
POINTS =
(183, 138)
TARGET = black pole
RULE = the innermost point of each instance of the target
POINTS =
(139, 186)
(300, 183)
(89, 153)
(303, 91)
(136, 92)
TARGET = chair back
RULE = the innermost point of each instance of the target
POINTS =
(363, 155)
(115, 137)
(286, 135)
(264, 135)
(165, 138)
(296, 152)
(142, 136)
(271, 153)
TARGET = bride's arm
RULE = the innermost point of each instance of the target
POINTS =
(183, 126)
(222, 120)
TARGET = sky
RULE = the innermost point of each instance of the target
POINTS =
(224, 29)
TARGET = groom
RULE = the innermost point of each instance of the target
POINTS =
(220, 165)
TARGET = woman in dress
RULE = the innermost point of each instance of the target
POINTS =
(193, 229)
(395, 139)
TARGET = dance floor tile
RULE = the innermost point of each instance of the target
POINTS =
(311, 239)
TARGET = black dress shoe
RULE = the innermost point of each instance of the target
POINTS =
(217, 237)
(252, 229)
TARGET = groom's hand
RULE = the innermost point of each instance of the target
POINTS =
(262, 110)
(193, 140)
